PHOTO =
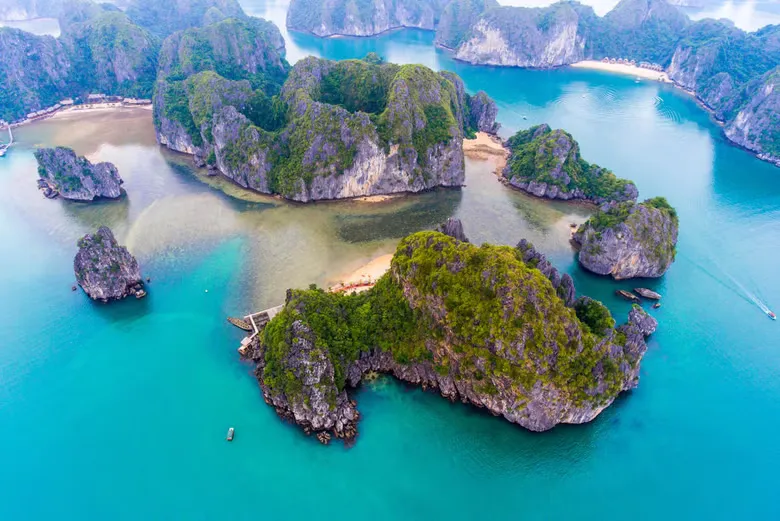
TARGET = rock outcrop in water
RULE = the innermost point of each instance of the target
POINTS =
(628, 240)
(104, 269)
(366, 18)
(74, 177)
(336, 130)
(547, 163)
(476, 323)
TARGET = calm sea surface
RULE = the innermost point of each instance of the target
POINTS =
(119, 412)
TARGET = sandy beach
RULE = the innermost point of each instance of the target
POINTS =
(620, 68)
(94, 107)
(365, 276)
(486, 147)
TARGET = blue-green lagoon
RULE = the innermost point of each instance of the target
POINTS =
(120, 411)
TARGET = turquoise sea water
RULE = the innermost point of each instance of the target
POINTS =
(120, 412)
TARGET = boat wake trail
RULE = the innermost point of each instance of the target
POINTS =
(735, 286)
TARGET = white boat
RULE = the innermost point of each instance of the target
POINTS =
(231, 432)
(771, 315)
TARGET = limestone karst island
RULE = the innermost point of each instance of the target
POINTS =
(518, 255)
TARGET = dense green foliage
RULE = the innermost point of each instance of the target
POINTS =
(464, 309)
(536, 153)
(594, 315)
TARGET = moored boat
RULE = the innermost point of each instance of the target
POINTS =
(241, 324)
(626, 295)
(231, 432)
(647, 293)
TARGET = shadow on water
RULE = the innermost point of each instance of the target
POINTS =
(114, 213)
(427, 211)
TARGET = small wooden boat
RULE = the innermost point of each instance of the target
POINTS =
(241, 324)
(626, 295)
(656, 305)
(648, 293)
(230, 434)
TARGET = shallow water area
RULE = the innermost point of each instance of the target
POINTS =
(120, 411)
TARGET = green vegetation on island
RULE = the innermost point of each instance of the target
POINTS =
(451, 315)
(547, 163)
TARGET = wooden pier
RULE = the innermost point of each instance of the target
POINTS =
(258, 321)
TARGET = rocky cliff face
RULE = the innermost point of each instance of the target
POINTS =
(756, 125)
(342, 17)
(104, 269)
(456, 20)
(482, 113)
(75, 177)
(476, 324)
(629, 240)
(521, 37)
(547, 163)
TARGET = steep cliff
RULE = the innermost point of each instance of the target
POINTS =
(528, 37)
(337, 130)
(363, 18)
(75, 177)
(104, 269)
(456, 20)
(476, 323)
(547, 163)
(755, 124)
(627, 240)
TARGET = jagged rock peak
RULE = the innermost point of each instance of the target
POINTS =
(563, 284)
(104, 269)
(74, 177)
(454, 228)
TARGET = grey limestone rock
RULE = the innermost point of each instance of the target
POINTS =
(75, 177)
(104, 269)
